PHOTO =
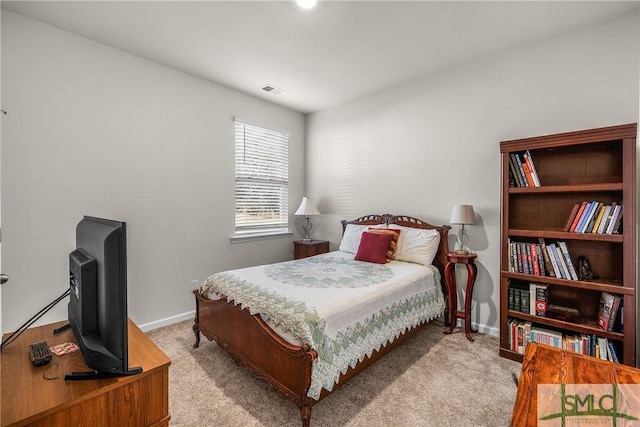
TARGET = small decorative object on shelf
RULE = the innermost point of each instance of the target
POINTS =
(585, 269)
(566, 314)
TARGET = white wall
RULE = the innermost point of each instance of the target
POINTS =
(421, 147)
(91, 130)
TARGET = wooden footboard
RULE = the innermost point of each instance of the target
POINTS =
(252, 343)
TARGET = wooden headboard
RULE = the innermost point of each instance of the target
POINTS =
(440, 259)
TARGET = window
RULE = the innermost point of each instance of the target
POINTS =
(262, 180)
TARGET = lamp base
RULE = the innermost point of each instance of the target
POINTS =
(461, 252)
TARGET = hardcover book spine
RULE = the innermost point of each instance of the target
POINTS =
(605, 217)
(574, 212)
(583, 205)
(547, 260)
(567, 257)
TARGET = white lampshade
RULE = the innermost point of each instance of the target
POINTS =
(463, 214)
(307, 208)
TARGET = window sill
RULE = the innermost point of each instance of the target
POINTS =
(241, 238)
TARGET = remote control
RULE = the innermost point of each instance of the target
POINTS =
(39, 353)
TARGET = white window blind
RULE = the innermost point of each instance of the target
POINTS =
(262, 179)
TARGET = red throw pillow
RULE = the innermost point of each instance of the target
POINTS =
(373, 247)
(393, 246)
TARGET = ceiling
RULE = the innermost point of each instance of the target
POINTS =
(335, 52)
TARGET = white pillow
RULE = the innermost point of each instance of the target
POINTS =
(351, 237)
(416, 245)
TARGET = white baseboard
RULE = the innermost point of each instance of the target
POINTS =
(167, 321)
(489, 330)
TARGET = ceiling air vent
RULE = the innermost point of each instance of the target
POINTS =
(272, 89)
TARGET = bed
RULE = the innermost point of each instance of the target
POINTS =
(308, 326)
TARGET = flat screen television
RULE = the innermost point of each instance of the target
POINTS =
(98, 298)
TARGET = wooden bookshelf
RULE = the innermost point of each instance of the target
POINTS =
(596, 164)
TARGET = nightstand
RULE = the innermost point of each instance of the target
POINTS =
(469, 261)
(307, 248)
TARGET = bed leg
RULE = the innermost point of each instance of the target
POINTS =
(305, 414)
(196, 330)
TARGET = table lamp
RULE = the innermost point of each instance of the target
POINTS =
(461, 215)
(307, 208)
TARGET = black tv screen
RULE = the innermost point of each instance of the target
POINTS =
(98, 297)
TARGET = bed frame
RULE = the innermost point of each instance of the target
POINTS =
(252, 343)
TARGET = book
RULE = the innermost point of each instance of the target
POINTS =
(572, 216)
(602, 348)
(566, 314)
(607, 302)
(570, 266)
(532, 298)
(614, 312)
(558, 263)
(534, 259)
(583, 217)
(542, 297)
(515, 173)
(613, 355)
(618, 220)
(532, 168)
(614, 217)
(554, 262)
(582, 225)
(546, 336)
(606, 225)
(603, 223)
(523, 177)
(540, 261)
(547, 261)
(583, 205)
(592, 219)
(599, 216)
(524, 300)
(527, 172)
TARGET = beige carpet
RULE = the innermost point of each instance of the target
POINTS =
(431, 380)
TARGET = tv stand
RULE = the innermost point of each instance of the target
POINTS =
(40, 395)
(97, 375)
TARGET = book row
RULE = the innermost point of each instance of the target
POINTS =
(534, 300)
(523, 171)
(522, 332)
(595, 217)
(542, 259)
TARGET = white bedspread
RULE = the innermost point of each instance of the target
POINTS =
(344, 309)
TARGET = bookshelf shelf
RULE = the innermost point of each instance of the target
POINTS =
(563, 235)
(601, 285)
(597, 165)
(587, 326)
(581, 188)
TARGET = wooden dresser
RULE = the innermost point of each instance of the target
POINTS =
(544, 366)
(30, 399)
